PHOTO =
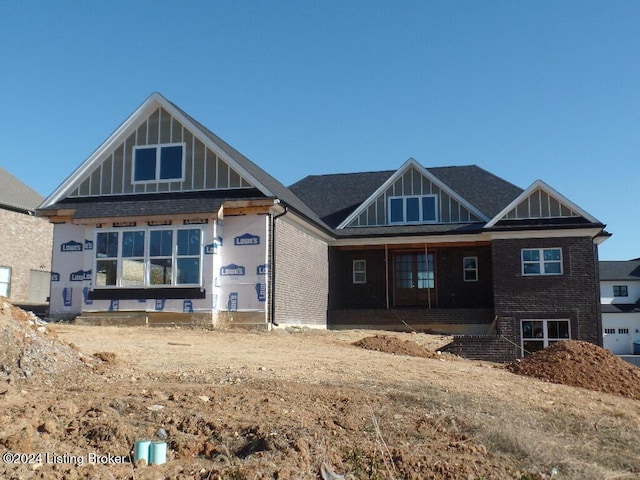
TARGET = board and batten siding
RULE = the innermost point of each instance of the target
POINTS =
(413, 183)
(203, 169)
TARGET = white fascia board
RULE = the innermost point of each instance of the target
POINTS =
(551, 192)
(411, 162)
(592, 233)
(406, 240)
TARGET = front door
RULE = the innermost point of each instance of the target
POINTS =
(414, 279)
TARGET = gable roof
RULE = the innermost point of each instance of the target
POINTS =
(334, 197)
(264, 183)
(573, 210)
(15, 195)
(620, 270)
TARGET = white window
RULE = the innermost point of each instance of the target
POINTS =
(359, 271)
(539, 334)
(5, 282)
(418, 209)
(470, 269)
(148, 257)
(153, 163)
(542, 261)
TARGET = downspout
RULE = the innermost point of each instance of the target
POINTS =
(386, 273)
(272, 266)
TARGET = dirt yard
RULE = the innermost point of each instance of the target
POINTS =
(290, 404)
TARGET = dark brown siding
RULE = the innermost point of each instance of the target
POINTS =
(343, 293)
(452, 290)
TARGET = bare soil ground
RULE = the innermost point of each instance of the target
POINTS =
(281, 404)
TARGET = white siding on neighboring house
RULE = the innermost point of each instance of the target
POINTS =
(621, 329)
(606, 291)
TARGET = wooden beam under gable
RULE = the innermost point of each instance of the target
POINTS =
(245, 207)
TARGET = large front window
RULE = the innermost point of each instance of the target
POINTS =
(139, 258)
(539, 334)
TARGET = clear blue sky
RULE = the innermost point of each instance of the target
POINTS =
(524, 89)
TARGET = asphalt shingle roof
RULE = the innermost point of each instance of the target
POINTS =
(620, 270)
(15, 195)
(334, 197)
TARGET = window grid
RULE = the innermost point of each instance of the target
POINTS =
(359, 271)
(539, 334)
(541, 261)
(148, 257)
(470, 269)
(413, 209)
(158, 163)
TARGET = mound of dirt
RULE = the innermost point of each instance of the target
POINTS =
(30, 349)
(396, 346)
(581, 364)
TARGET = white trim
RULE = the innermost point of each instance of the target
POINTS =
(147, 258)
(549, 191)
(561, 233)
(465, 269)
(411, 162)
(409, 240)
(404, 199)
(540, 262)
(158, 148)
(545, 337)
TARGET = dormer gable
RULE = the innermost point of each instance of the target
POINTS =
(538, 202)
(158, 149)
(412, 196)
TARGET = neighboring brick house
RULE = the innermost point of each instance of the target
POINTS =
(165, 221)
(25, 256)
(620, 296)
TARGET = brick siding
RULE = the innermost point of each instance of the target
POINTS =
(301, 277)
(26, 245)
(573, 295)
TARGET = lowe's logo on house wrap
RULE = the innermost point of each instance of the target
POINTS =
(55, 277)
(85, 295)
(232, 269)
(187, 306)
(210, 249)
(246, 239)
(71, 246)
(80, 276)
(88, 244)
(262, 269)
(232, 302)
(67, 296)
(261, 292)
